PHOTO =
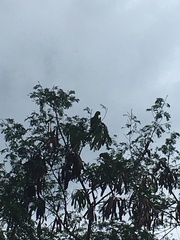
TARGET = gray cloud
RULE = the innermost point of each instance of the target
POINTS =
(123, 54)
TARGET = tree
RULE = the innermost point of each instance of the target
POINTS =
(48, 191)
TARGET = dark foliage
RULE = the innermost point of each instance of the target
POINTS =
(48, 191)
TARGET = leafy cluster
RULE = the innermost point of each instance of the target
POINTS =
(49, 192)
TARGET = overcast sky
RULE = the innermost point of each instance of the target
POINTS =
(120, 53)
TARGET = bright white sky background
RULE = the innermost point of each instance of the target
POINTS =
(119, 53)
